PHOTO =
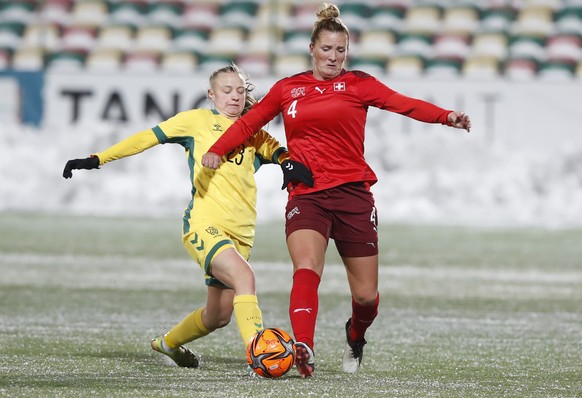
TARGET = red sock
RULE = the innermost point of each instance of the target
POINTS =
(362, 318)
(304, 305)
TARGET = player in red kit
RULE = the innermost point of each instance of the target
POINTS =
(324, 112)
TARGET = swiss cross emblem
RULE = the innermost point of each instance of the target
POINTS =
(341, 86)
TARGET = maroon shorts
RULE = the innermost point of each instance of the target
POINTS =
(346, 214)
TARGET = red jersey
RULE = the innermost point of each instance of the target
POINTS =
(325, 123)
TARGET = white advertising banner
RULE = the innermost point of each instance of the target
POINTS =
(536, 115)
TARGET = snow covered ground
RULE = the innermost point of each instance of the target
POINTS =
(443, 177)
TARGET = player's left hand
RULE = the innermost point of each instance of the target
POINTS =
(460, 120)
(294, 171)
(211, 160)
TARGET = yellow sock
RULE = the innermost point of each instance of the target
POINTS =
(248, 316)
(189, 329)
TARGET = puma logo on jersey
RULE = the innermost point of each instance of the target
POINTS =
(320, 90)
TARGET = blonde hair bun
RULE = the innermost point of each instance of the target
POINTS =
(327, 11)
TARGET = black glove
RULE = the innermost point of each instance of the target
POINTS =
(294, 171)
(77, 164)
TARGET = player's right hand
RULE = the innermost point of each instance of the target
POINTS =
(211, 160)
(78, 164)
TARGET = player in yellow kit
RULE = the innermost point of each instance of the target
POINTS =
(219, 223)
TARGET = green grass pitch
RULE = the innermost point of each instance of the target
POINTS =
(464, 312)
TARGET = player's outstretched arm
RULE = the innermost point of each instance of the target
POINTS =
(460, 120)
(89, 163)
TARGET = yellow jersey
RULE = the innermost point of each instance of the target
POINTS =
(227, 196)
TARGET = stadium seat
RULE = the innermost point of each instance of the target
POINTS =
(552, 4)
(446, 69)
(227, 41)
(22, 11)
(201, 16)
(10, 34)
(451, 46)
(66, 61)
(296, 42)
(153, 38)
(29, 59)
(303, 17)
(190, 39)
(527, 47)
(534, 21)
(120, 37)
(497, 20)
(355, 15)
(179, 62)
(415, 44)
(379, 44)
(79, 38)
(481, 68)
(373, 66)
(408, 66)
(422, 20)
(562, 47)
(273, 14)
(106, 59)
(129, 13)
(41, 35)
(238, 14)
(209, 63)
(93, 13)
(256, 65)
(387, 18)
(290, 64)
(460, 20)
(166, 13)
(56, 12)
(521, 69)
(493, 44)
(569, 20)
(142, 61)
(264, 40)
(556, 71)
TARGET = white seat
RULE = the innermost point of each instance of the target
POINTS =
(79, 38)
(490, 44)
(226, 41)
(41, 35)
(108, 59)
(287, 65)
(115, 37)
(179, 62)
(153, 38)
(90, 12)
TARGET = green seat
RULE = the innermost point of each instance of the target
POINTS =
(10, 34)
(557, 70)
(238, 14)
(443, 68)
(355, 16)
(373, 66)
(66, 60)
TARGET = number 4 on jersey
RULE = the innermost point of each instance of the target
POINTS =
(292, 111)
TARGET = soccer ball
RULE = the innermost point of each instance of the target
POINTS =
(271, 353)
